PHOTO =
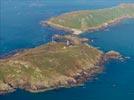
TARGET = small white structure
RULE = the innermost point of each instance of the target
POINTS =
(106, 24)
(68, 42)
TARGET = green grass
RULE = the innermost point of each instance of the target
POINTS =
(83, 20)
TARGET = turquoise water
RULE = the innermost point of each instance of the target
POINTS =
(20, 28)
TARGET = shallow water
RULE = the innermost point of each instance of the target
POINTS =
(20, 28)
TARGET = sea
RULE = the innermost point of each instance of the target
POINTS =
(20, 28)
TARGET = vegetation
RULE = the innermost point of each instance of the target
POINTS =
(87, 19)
(48, 66)
(59, 64)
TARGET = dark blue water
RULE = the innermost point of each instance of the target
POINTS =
(20, 28)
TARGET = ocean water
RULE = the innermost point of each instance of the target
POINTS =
(20, 28)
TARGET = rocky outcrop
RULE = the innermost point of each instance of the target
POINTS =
(112, 55)
(5, 88)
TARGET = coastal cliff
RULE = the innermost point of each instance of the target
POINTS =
(48, 67)
(52, 66)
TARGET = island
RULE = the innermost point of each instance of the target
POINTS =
(78, 22)
(66, 61)
(53, 65)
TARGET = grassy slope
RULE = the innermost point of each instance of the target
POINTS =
(83, 20)
(47, 65)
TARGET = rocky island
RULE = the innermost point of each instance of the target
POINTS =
(51, 66)
(66, 61)
(78, 22)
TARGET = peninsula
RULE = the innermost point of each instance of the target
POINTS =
(78, 22)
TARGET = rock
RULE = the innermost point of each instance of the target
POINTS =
(5, 88)
(112, 55)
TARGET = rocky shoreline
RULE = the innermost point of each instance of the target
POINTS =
(77, 80)
(85, 75)
(71, 80)
(108, 24)
(57, 64)
(92, 29)
(78, 22)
